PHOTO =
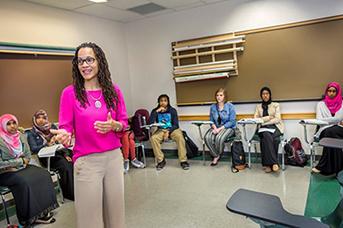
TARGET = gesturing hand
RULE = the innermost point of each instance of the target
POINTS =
(62, 136)
(109, 125)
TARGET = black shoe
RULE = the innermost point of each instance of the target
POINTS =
(184, 165)
(48, 219)
(161, 164)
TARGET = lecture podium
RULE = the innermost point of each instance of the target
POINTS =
(267, 210)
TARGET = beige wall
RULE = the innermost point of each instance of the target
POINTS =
(27, 23)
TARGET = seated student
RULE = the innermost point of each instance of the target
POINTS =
(223, 116)
(128, 146)
(39, 137)
(31, 186)
(330, 109)
(270, 131)
(166, 115)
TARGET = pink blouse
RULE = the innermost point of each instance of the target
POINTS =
(80, 121)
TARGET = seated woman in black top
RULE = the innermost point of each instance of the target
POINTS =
(31, 186)
(40, 137)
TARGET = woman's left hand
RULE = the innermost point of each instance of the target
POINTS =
(104, 127)
(219, 129)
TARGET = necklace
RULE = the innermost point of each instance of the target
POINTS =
(97, 103)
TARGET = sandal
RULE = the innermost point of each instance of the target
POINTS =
(275, 168)
(234, 170)
(48, 219)
(215, 163)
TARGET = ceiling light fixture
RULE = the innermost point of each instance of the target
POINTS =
(98, 1)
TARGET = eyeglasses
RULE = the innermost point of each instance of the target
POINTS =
(89, 60)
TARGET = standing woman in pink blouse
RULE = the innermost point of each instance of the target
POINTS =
(93, 110)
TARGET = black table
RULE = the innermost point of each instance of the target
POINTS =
(331, 142)
(268, 208)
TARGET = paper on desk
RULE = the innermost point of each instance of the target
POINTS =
(153, 125)
(49, 151)
(201, 122)
(250, 121)
(262, 129)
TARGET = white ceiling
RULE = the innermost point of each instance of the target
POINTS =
(117, 9)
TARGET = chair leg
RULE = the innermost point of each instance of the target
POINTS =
(255, 148)
(249, 155)
(203, 152)
(312, 155)
(5, 209)
(143, 153)
(283, 156)
(58, 185)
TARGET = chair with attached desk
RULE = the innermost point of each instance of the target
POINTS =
(335, 218)
(267, 210)
(314, 142)
(3, 192)
(228, 141)
(255, 139)
(55, 176)
(199, 124)
(150, 128)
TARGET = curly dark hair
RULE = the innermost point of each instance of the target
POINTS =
(159, 99)
(104, 78)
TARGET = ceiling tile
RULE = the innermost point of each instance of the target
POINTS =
(126, 4)
(63, 4)
(174, 3)
(190, 6)
(107, 12)
(166, 11)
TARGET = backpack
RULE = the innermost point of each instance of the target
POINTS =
(295, 154)
(238, 157)
(191, 148)
(140, 118)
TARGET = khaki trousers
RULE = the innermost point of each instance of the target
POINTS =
(157, 138)
(99, 190)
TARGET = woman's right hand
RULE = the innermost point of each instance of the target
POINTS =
(214, 129)
(161, 109)
(62, 136)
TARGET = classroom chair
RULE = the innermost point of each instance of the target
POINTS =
(267, 210)
(335, 218)
(256, 140)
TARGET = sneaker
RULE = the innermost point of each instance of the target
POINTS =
(126, 166)
(185, 165)
(161, 164)
(138, 164)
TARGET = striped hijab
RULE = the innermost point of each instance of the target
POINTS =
(43, 131)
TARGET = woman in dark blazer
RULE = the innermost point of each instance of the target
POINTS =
(40, 137)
